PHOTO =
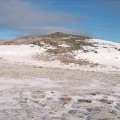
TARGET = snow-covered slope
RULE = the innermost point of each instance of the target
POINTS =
(107, 53)
(93, 54)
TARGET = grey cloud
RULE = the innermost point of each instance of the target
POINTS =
(21, 15)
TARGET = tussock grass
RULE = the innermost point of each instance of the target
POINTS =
(64, 54)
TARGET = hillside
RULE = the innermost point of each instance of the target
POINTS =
(59, 77)
(32, 39)
(63, 50)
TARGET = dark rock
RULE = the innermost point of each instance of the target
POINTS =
(84, 100)
(88, 118)
(117, 106)
(106, 101)
(72, 111)
(89, 109)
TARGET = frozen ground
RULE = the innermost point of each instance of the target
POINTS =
(30, 92)
(38, 90)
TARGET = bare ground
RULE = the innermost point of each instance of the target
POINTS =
(30, 92)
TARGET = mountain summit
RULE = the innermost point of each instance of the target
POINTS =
(32, 39)
(58, 34)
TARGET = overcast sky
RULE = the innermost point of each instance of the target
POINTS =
(97, 18)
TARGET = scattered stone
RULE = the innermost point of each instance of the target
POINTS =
(106, 101)
(89, 109)
(52, 92)
(118, 49)
(113, 112)
(84, 100)
(96, 93)
(72, 111)
(40, 67)
(117, 106)
(88, 118)
(65, 98)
